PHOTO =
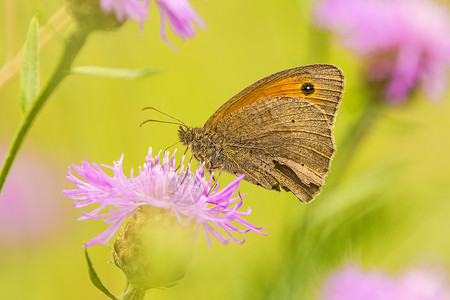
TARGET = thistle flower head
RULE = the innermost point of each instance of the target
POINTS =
(111, 14)
(181, 16)
(182, 193)
(406, 42)
(352, 283)
(123, 9)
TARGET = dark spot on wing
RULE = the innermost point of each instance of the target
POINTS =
(308, 88)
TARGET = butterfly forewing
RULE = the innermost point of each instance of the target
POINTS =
(320, 84)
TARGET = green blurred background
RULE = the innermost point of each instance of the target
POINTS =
(390, 210)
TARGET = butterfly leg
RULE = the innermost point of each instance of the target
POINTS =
(187, 169)
(167, 148)
(180, 160)
(214, 185)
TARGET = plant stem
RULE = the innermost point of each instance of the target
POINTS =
(132, 292)
(357, 133)
(306, 242)
(73, 45)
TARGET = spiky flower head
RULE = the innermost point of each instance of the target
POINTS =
(353, 283)
(165, 208)
(184, 194)
(405, 43)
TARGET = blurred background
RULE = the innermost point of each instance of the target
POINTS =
(385, 207)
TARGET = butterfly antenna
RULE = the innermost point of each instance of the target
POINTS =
(159, 121)
(161, 112)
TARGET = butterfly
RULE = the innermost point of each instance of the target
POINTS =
(278, 131)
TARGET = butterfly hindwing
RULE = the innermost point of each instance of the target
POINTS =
(280, 142)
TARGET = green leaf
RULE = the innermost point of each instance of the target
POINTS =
(30, 67)
(95, 279)
(115, 73)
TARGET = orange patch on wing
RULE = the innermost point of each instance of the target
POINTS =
(289, 83)
(288, 87)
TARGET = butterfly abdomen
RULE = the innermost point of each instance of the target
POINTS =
(204, 145)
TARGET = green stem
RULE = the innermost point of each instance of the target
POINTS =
(132, 292)
(303, 253)
(74, 43)
(353, 140)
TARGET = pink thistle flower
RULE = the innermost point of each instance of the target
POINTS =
(32, 213)
(407, 41)
(123, 9)
(353, 283)
(180, 15)
(181, 193)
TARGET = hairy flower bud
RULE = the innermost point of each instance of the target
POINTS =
(90, 15)
(153, 249)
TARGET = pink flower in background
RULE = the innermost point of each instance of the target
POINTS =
(181, 16)
(407, 42)
(178, 13)
(158, 185)
(353, 283)
(29, 202)
(123, 9)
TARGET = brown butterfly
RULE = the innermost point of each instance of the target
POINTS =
(277, 131)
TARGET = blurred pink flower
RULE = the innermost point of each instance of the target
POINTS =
(407, 41)
(353, 283)
(123, 9)
(158, 185)
(178, 13)
(29, 202)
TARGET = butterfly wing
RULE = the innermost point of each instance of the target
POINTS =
(279, 142)
(320, 84)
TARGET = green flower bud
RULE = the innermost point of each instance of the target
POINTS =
(154, 249)
(89, 14)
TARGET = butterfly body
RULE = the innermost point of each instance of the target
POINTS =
(206, 146)
(278, 131)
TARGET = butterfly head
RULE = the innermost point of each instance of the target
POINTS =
(186, 135)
